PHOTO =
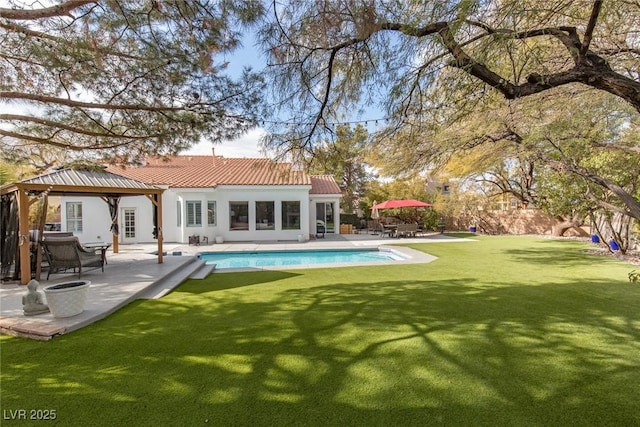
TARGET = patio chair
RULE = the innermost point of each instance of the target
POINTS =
(407, 230)
(372, 227)
(64, 253)
(384, 231)
(36, 241)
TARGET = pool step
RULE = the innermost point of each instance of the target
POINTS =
(171, 281)
(203, 271)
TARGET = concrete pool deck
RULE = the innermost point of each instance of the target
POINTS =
(134, 273)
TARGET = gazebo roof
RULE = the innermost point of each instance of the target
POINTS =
(82, 182)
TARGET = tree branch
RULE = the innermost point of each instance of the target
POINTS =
(44, 36)
(586, 40)
(619, 50)
(59, 125)
(595, 72)
(568, 36)
(62, 9)
(28, 32)
(625, 148)
(631, 203)
(80, 104)
(606, 205)
(60, 144)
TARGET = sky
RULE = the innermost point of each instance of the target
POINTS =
(247, 144)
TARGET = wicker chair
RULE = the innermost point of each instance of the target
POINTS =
(64, 253)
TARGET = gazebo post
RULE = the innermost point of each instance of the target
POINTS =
(23, 237)
(158, 203)
(41, 222)
(114, 204)
(116, 248)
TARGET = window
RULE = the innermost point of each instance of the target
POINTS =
(238, 215)
(265, 216)
(291, 215)
(211, 212)
(74, 216)
(179, 213)
(194, 213)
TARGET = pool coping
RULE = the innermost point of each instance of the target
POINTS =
(411, 256)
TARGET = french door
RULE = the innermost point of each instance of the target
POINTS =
(128, 229)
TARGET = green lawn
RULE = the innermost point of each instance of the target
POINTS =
(505, 331)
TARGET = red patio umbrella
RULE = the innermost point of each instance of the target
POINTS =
(404, 203)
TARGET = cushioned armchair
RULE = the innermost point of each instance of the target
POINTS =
(64, 253)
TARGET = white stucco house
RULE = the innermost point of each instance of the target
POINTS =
(236, 199)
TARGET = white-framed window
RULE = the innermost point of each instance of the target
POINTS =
(291, 215)
(194, 213)
(211, 212)
(179, 213)
(74, 216)
(265, 216)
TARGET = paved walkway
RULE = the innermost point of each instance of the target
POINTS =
(134, 273)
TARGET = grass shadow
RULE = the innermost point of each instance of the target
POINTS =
(557, 253)
(348, 353)
(442, 343)
(225, 281)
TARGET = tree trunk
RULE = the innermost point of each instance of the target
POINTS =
(565, 224)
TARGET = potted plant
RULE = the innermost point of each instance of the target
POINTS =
(67, 299)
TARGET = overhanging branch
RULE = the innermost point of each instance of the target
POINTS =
(594, 72)
(62, 9)
(60, 144)
(58, 125)
(79, 104)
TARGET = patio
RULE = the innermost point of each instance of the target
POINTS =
(134, 273)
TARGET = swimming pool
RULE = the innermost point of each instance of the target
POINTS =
(317, 257)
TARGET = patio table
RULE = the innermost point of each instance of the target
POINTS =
(102, 246)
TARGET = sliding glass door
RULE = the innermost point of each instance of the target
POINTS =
(324, 213)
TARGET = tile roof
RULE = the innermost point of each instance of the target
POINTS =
(324, 184)
(211, 171)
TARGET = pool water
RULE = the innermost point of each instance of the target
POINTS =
(296, 258)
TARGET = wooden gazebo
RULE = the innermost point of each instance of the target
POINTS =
(98, 183)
